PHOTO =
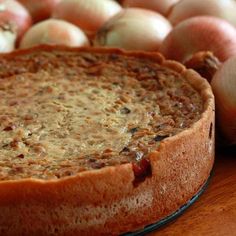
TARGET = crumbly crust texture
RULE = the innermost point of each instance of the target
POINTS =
(60, 175)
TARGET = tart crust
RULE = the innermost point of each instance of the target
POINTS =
(106, 201)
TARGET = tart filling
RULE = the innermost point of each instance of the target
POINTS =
(89, 112)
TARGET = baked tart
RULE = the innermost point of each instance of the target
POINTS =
(99, 141)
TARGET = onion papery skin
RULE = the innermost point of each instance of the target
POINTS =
(134, 29)
(54, 31)
(202, 33)
(89, 15)
(7, 41)
(14, 16)
(184, 9)
(224, 88)
(205, 63)
(39, 9)
(161, 6)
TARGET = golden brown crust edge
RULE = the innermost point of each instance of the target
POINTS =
(105, 202)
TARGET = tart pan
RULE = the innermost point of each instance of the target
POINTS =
(152, 227)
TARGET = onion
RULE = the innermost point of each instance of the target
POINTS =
(134, 29)
(54, 31)
(201, 33)
(40, 9)
(161, 6)
(7, 40)
(224, 87)
(205, 63)
(184, 9)
(89, 15)
(15, 16)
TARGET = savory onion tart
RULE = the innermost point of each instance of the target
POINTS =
(99, 141)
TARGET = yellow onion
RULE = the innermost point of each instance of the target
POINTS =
(200, 33)
(134, 29)
(54, 31)
(205, 63)
(40, 9)
(161, 6)
(224, 88)
(225, 9)
(89, 15)
(7, 40)
(15, 16)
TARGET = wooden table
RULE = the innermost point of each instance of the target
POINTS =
(214, 213)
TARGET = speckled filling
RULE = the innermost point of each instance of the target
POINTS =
(63, 113)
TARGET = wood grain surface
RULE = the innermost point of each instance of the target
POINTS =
(214, 213)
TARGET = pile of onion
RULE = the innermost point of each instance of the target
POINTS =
(89, 15)
(224, 88)
(201, 33)
(184, 9)
(40, 9)
(54, 31)
(134, 29)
